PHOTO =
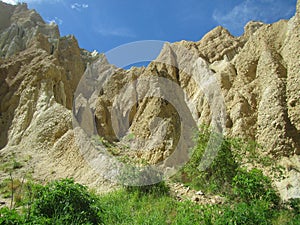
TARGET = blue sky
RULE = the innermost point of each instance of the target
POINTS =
(105, 24)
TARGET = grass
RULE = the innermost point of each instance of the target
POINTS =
(137, 206)
(123, 207)
(250, 197)
(133, 208)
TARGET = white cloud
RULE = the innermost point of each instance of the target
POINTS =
(14, 2)
(267, 11)
(56, 20)
(78, 6)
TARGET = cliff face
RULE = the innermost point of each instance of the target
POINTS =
(258, 76)
(257, 93)
(39, 72)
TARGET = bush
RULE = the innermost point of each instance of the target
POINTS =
(253, 185)
(257, 212)
(217, 178)
(10, 217)
(66, 202)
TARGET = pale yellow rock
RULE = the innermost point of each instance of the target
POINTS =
(253, 80)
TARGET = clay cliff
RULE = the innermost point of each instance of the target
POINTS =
(39, 73)
(246, 86)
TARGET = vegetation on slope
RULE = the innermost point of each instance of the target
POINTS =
(250, 197)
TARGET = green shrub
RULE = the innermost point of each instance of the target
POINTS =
(217, 178)
(257, 212)
(66, 202)
(10, 217)
(253, 185)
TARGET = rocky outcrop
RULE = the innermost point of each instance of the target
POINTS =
(244, 86)
(258, 79)
(21, 27)
(39, 73)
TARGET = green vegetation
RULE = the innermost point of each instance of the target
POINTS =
(11, 188)
(232, 155)
(11, 165)
(76, 204)
(58, 202)
(65, 202)
(253, 185)
(250, 197)
(218, 177)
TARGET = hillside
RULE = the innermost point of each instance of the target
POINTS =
(56, 97)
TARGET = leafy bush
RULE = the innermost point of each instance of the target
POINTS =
(67, 202)
(253, 185)
(217, 178)
(257, 212)
(10, 217)
(58, 202)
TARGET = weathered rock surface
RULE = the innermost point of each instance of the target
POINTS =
(247, 86)
(39, 72)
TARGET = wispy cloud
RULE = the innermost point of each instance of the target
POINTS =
(117, 32)
(14, 2)
(263, 10)
(56, 20)
(78, 7)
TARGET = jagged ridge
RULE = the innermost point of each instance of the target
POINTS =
(258, 74)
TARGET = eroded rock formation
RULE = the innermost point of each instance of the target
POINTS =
(258, 77)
